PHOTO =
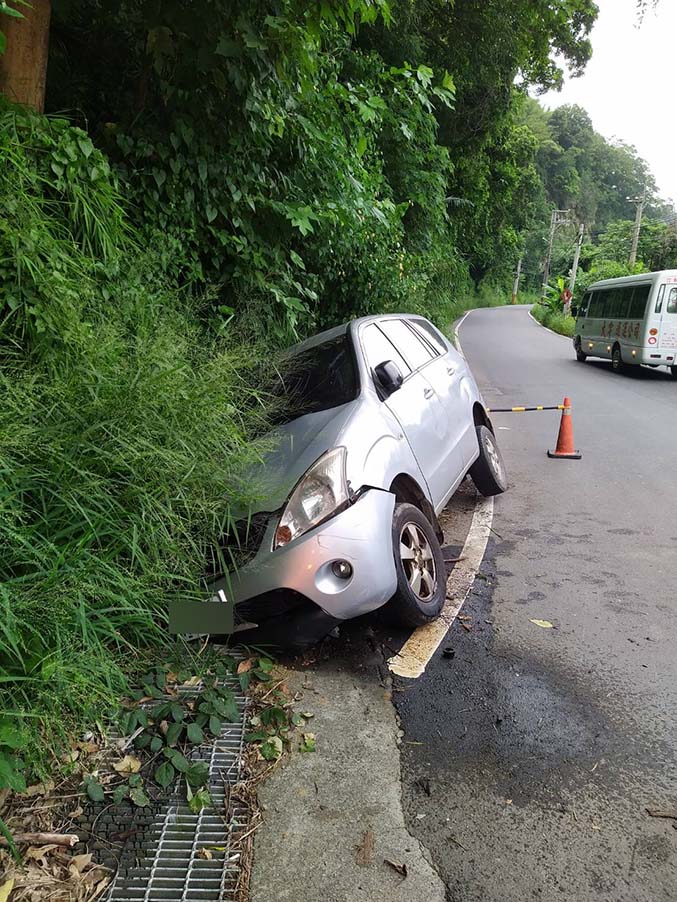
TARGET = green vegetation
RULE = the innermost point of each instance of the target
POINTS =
(229, 177)
(554, 319)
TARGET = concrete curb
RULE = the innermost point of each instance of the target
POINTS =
(320, 808)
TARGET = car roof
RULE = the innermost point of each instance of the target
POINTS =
(345, 328)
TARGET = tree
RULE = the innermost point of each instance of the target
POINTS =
(24, 43)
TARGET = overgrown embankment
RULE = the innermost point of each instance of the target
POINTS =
(554, 319)
(124, 421)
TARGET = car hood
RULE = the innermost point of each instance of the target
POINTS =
(293, 448)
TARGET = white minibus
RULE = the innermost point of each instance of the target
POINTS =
(632, 320)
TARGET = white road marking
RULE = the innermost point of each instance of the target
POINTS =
(413, 657)
(551, 331)
(457, 340)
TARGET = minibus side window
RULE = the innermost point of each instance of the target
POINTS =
(671, 306)
(585, 303)
(597, 305)
(659, 299)
(640, 295)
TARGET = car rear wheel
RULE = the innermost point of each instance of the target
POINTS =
(673, 370)
(421, 575)
(488, 471)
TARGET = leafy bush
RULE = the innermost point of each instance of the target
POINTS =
(123, 426)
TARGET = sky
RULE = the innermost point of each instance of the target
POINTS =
(628, 87)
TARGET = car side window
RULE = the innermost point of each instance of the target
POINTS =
(430, 334)
(378, 349)
(408, 344)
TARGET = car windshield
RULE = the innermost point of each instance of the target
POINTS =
(317, 378)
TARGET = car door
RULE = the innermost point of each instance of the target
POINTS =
(415, 404)
(448, 375)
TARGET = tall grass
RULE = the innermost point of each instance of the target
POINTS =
(124, 424)
(554, 319)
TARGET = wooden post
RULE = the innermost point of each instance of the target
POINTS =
(23, 68)
(516, 283)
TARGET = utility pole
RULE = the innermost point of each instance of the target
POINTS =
(557, 217)
(516, 283)
(574, 267)
(640, 201)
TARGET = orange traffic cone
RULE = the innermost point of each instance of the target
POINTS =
(565, 439)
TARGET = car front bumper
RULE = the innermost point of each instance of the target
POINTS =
(361, 535)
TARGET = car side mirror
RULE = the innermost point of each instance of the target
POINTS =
(574, 310)
(388, 376)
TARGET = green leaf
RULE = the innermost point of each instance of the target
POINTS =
(85, 145)
(195, 733)
(215, 725)
(361, 145)
(94, 789)
(211, 212)
(265, 664)
(298, 720)
(138, 795)
(199, 800)
(156, 743)
(164, 774)
(11, 736)
(120, 792)
(179, 761)
(174, 732)
(272, 748)
(197, 774)
(177, 712)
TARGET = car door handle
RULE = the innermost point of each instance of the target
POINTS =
(451, 370)
(428, 392)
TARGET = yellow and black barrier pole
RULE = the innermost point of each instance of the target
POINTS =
(565, 439)
(522, 409)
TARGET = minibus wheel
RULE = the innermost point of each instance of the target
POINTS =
(580, 356)
(617, 364)
(673, 370)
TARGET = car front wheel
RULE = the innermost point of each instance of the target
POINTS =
(421, 575)
(488, 471)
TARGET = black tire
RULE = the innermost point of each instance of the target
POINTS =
(673, 370)
(617, 364)
(580, 356)
(417, 601)
(488, 471)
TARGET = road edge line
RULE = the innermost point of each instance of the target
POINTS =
(412, 659)
(551, 331)
(456, 338)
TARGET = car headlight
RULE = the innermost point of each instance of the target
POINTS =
(322, 492)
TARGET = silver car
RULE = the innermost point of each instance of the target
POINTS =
(382, 421)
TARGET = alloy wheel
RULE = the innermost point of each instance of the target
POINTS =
(418, 561)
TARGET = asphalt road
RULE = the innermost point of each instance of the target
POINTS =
(530, 755)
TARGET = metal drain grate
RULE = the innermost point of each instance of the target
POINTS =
(169, 868)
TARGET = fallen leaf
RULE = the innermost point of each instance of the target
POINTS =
(76, 812)
(193, 681)
(6, 889)
(246, 665)
(128, 765)
(39, 789)
(365, 850)
(466, 626)
(397, 866)
(79, 863)
(545, 624)
(662, 812)
(309, 743)
(204, 853)
(464, 617)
